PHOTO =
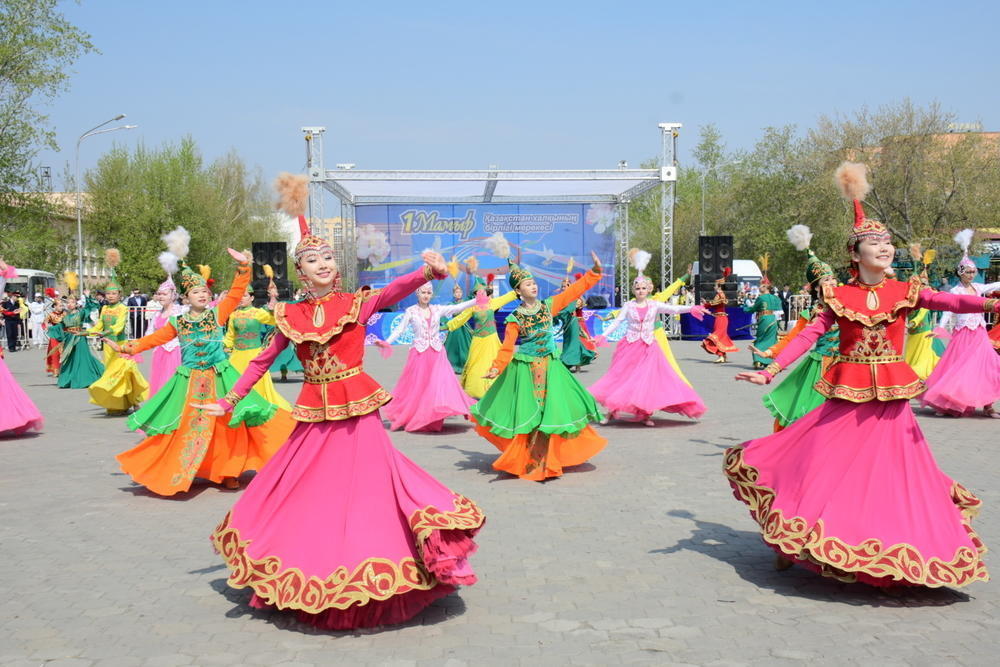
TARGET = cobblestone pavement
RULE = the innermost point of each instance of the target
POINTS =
(642, 556)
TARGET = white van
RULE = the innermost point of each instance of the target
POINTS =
(744, 271)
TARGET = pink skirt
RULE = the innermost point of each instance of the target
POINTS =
(347, 531)
(968, 375)
(640, 381)
(18, 414)
(852, 491)
(164, 364)
(426, 393)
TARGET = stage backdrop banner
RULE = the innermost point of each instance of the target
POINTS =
(551, 240)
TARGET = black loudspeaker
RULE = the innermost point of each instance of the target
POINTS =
(274, 253)
(704, 289)
(597, 302)
(715, 255)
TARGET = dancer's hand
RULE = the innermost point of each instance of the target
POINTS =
(751, 376)
(210, 409)
(238, 256)
(435, 261)
(699, 312)
(272, 291)
(112, 344)
(597, 262)
(492, 374)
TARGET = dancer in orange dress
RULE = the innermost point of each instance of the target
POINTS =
(718, 342)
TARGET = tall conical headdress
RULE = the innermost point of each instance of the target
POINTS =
(516, 275)
(113, 258)
(852, 179)
(308, 242)
(816, 269)
(964, 240)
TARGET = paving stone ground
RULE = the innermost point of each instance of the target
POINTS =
(640, 557)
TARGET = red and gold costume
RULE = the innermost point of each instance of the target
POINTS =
(53, 321)
(718, 342)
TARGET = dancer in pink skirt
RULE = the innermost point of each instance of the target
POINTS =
(339, 526)
(968, 375)
(640, 381)
(851, 489)
(427, 390)
(19, 414)
(166, 357)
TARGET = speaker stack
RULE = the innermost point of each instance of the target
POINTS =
(274, 253)
(715, 255)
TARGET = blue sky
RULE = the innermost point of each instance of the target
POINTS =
(518, 84)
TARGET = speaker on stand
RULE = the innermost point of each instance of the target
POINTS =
(274, 253)
(715, 255)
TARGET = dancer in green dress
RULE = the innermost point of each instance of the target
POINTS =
(78, 368)
(578, 348)
(456, 343)
(765, 306)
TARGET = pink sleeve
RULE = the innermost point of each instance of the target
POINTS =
(394, 292)
(260, 365)
(805, 340)
(11, 272)
(955, 303)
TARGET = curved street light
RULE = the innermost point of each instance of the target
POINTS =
(703, 175)
(79, 203)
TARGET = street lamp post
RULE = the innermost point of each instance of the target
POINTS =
(703, 175)
(79, 202)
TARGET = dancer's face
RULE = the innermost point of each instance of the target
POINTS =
(164, 297)
(967, 275)
(199, 297)
(71, 305)
(113, 296)
(565, 283)
(528, 288)
(457, 293)
(319, 268)
(640, 290)
(875, 254)
(246, 300)
(424, 294)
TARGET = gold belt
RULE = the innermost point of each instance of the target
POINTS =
(767, 312)
(336, 377)
(870, 360)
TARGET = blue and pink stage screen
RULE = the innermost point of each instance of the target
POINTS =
(545, 238)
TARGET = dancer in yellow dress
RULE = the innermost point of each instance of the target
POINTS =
(122, 387)
(920, 353)
(485, 343)
(244, 337)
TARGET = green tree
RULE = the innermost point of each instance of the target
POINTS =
(37, 48)
(138, 197)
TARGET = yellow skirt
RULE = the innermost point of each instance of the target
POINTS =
(240, 359)
(920, 354)
(121, 387)
(661, 337)
(482, 352)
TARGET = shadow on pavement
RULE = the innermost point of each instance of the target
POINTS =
(753, 561)
(439, 611)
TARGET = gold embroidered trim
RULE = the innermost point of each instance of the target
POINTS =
(797, 537)
(773, 368)
(990, 305)
(232, 398)
(909, 301)
(332, 413)
(871, 393)
(318, 336)
(373, 579)
(870, 359)
(327, 379)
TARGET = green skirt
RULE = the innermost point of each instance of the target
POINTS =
(78, 367)
(795, 396)
(573, 352)
(536, 394)
(162, 413)
(456, 344)
(287, 361)
(767, 336)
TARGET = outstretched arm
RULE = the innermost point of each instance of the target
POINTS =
(226, 306)
(506, 352)
(797, 347)
(452, 308)
(164, 334)
(957, 303)
(664, 295)
(575, 290)
(255, 371)
(403, 325)
(617, 322)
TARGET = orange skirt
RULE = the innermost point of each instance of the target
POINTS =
(538, 456)
(203, 446)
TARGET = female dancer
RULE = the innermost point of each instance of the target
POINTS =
(183, 442)
(427, 390)
(796, 395)
(122, 387)
(578, 348)
(920, 352)
(53, 329)
(718, 342)
(340, 526)
(968, 375)
(78, 368)
(764, 306)
(485, 343)
(640, 381)
(536, 413)
(851, 489)
(166, 357)
(457, 342)
(244, 336)
(19, 415)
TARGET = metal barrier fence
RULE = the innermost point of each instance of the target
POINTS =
(138, 323)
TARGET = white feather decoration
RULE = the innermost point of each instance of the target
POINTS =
(169, 261)
(178, 242)
(640, 259)
(964, 239)
(799, 236)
